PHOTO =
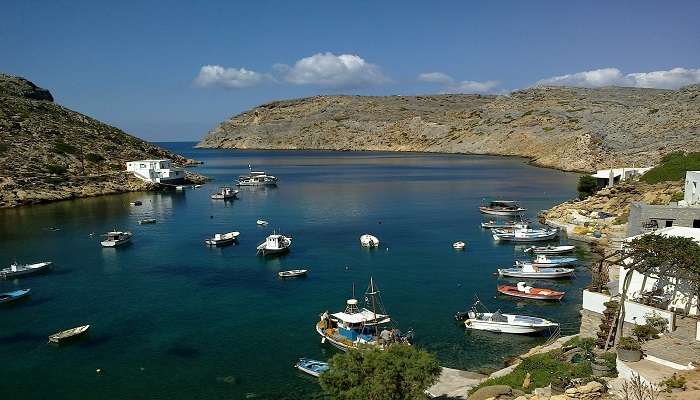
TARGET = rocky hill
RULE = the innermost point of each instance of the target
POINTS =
(561, 127)
(48, 152)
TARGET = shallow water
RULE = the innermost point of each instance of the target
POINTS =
(173, 319)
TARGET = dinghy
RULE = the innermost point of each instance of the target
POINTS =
(551, 250)
(116, 238)
(543, 261)
(531, 271)
(292, 273)
(274, 244)
(261, 222)
(458, 245)
(528, 292)
(368, 240)
(222, 239)
(147, 221)
(13, 296)
(68, 334)
(311, 367)
(19, 270)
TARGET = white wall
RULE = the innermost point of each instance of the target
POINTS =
(679, 291)
(635, 313)
(692, 188)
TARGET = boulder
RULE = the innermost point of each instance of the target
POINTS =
(494, 391)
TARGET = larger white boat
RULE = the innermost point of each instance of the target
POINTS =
(256, 178)
(222, 239)
(543, 261)
(531, 271)
(368, 240)
(506, 323)
(502, 207)
(356, 328)
(523, 233)
(19, 270)
(116, 238)
(274, 244)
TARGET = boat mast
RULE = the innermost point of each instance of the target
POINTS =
(372, 293)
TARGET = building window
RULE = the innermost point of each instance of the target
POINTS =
(142, 166)
(669, 224)
(696, 223)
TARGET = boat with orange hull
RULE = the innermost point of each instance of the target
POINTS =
(528, 292)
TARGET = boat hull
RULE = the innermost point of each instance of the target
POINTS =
(510, 237)
(69, 335)
(536, 275)
(39, 269)
(115, 243)
(219, 243)
(500, 327)
(513, 292)
(10, 297)
(503, 213)
(552, 250)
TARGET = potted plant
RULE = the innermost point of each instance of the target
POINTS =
(629, 349)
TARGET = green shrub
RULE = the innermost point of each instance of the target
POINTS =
(587, 185)
(622, 219)
(673, 382)
(61, 147)
(653, 111)
(629, 343)
(678, 196)
(4, 147)
(673, 167)
(547, 128)
(56, 169)
(657, 322)
(95, 158)
(645, 332)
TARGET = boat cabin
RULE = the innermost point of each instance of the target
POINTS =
(274, 242)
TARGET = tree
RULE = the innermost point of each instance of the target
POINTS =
(587, 185)
(397, 373)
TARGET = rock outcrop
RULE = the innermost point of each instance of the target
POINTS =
(567, 128)
(48, 152)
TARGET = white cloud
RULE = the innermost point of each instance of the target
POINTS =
(230, 78)
(435, 77)
(329, 70)
(473, 87)
(671, 79)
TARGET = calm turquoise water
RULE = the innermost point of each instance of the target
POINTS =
(173, 319)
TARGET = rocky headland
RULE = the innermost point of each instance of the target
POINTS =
(48, 152)
(573, 129)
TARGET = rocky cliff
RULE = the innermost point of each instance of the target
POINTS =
(566, 128)
(48, 152)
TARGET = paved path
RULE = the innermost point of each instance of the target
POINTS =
(454, 384)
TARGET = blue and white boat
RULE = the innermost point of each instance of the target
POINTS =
(19, 270)
(311, 367)
(543, 261)
(531, 271)
(523, 233)
(13, 296)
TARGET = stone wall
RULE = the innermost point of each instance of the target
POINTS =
(641, 214)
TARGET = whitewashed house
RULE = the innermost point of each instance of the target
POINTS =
(156, 171)
(609, 177)
(692, 189)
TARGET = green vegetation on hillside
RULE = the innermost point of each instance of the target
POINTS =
(587, 185)
(673, 167)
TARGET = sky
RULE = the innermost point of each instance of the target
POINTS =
(171, 71)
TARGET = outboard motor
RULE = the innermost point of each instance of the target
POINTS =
(461, 315)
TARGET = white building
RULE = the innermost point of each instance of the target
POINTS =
(692, 188)
(609, 177)
(156, 171)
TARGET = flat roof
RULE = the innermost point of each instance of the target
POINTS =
(678, 231)
(359, 317)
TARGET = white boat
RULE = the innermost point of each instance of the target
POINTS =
(225, 193)
(116, 238)
(312, 367)
(498, 224)
(274, 244)
(523, 233)
(458, 245)
(147, 221)
(222, 239)
(550, 249)
(368, 240)
(136, 203)
(292, 273)
(179, 187)
(256, 178)
(68, 334)
(542, 261)
(503, 208)
(531, 271)
(18, 270)
(506, 323)
(261, 222)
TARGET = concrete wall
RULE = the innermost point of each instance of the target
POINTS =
(692, 188)
(680, 293)
(635, 313)
(641, 214)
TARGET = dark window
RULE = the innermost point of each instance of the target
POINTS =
(696, 223)
(669, 223)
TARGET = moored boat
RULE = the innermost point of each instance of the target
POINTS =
(256, 178)
(147, 221)
(222, 239)
(506, 323)
(311, 367)
(68, 334)
(19, 270)
(542, 261)
(136, 203)
(261, 222)
(356, 328)
(523, 233)
(116, 238)
(292, 273)
(503, 208)
(528, 292)
(458, 245)
(225, 193)
(14, 295)
(274, 244)
(368, 240)
(531, 271)
(498, 224)
(551, 250)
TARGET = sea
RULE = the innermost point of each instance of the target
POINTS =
(173, 319)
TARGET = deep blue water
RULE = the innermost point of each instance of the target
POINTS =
(173, 319)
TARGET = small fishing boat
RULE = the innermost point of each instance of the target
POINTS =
(358, 328)
(498, 224)
(261, 222)
(136, 203)
(551, 250)
(507, 323)
(292, 273)
(368, 240)
(180, 187)
(541, 260)
(311, 367)
(503, 208)
(523, 233)
(225, 193)
(197, 186)
(116, 238)
(274, 244)
(68, 334)
(14, 295)
(531, 271)
(222, 239)
(256, 178)
(528, 292)
(147, 221)
(458, 245)
(19, 270)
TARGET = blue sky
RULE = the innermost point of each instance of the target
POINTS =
(173, 70)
